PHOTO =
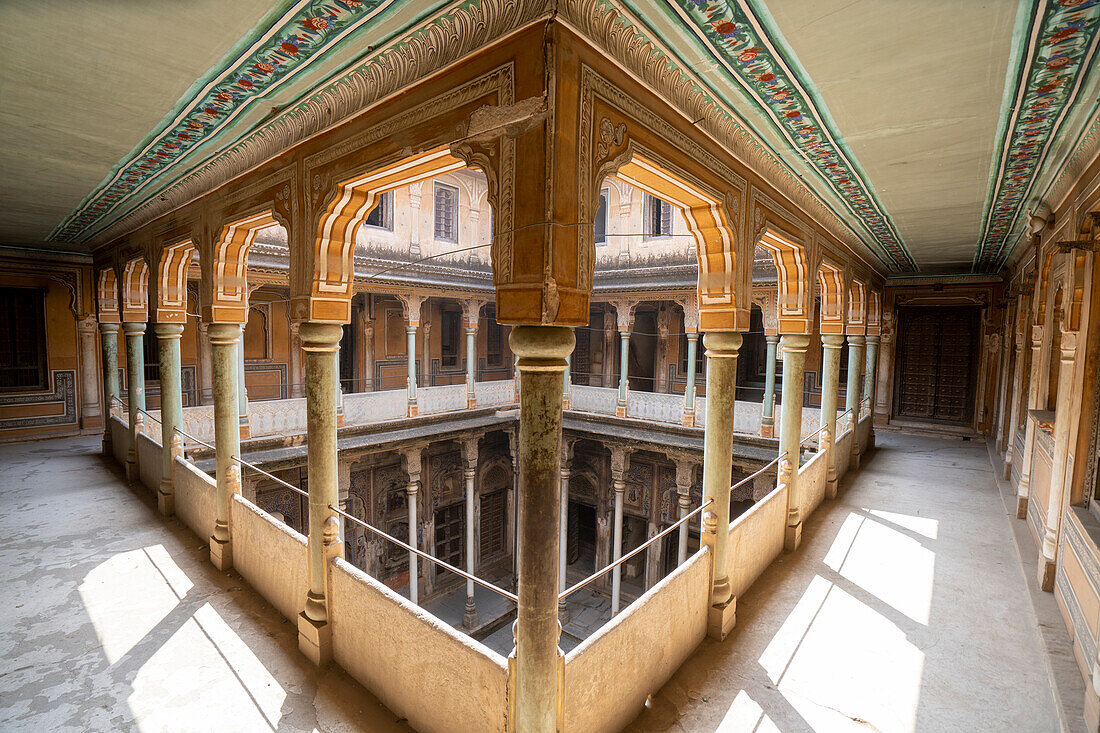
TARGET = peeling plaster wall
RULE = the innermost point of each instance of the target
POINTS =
(196, 496)
(756, 538)
(419, 667)
(651, 638)
(270, 556)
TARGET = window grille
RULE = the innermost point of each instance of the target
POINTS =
(658, 218)
(381, 215)
(600, 224)
(446, 212)
(23, 339)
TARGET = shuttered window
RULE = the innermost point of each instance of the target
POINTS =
(446, 212)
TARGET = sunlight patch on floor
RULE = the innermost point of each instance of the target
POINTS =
(746, 715)
(887, 563)
(921, 525)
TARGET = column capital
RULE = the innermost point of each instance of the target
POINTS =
(133, 329)
(856, 339)
(410, 305)
(773, 338)
(469, 447)
(411, 458)
(320, 336)
(624, 314)
(873, 339)
(223, 334)
(567, 446)
(545, 346)
(832, 341)
(168, 330)
(108, 328)
(795, 342)
(87, 324)
(471, 311)
(620, 462)
(685, 475)
(722, 344)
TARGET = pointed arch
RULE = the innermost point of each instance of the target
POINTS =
(795, 284)
(229, 301)
(874, 313)
(171, 290)
(857, 309)
(135, 291)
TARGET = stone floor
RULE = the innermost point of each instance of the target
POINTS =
(114, 618)
(905, 609)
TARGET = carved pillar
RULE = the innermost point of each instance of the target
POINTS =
(367, 372)
(852, 397)
(790, 432)
(242, 390)
(1014, 410)
(685, 475)
(722, 348)
(870, 376)
(469, 454)
(830, 386)
(541, 351)
(1064, 416)
(297, 386)
(767, 419)
(206, 365)
(90, 412)
(171, 409)
(691, 333)
(227, 435)
(135, 377)
(563, 562)
(411, 305)
(565, 393)
(620, 461)
(660, 384)
(411, 459)
(109, 344)
(1034, 382)
(320, 342)
(624, 313)
(471, 310)
(609, 331)
(512, 505)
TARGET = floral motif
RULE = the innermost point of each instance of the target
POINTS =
(304, 36)
(732, 37)
(1063, 48)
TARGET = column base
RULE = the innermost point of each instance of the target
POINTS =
(1006, 472)
(469, 619)
(563, 613)
(565, 403)
(315, 640)
(1021, 507)
(689, 419)
(131, 466)
(856, 455)
(767, 429)
(831, 485)
(221, 553)
(620, 410)
(721, 619)
(107, 446)
(339, 419)
(166, 498)
(1046, 574)
(412, 411)
(471, 403)
(792, 537)
(246, 432)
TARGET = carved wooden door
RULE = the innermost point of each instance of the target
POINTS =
(492, 524)
(937, 349)
(450, 531)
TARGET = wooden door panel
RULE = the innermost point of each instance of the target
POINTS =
(935, 363)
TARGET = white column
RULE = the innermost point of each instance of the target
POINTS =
(297, 386)
(685, 474)
(412, 468)
(91, 414)
(790, 432)
(1065, 414)
(242, 391)
(563, 539)
(620, 461)
(469, 453)
(206, 366)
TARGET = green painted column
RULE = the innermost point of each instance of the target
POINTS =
(624, 363)
(830, 386)
(869, 376)
(541, 351)
(790, 432)
(767, 419)
(108, 342)
(224, 338)
(471, 367)
(242, 391)
(410, 354)
(722, 348)
(855, 381)
(171, 409)
(320, 341)
(565, 394)
(135, 378)
(689, 389)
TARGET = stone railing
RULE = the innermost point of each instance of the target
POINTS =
(277, 417)
(361, 408)
(496, 393)
(433, 400)
(655, 406)
(600, 400)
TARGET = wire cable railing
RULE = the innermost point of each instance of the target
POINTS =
(419, 553)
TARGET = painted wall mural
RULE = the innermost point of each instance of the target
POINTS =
(1061, 48)
(273, 55)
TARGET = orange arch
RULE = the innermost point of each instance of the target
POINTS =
(107, 290)
(333, 271)
(135, 291)
(874, 313)
(715, 243)
(795, 283)
(171, 304)
(830, 280)
(857, 309)
(229, 302)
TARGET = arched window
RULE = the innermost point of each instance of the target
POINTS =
(256, 335)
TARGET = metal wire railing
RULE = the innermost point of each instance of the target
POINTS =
(370, 528)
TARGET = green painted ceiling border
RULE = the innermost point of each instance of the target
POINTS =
(903, 259)
(1054, 17)
(91, 217)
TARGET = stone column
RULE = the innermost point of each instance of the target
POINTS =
(722, 347)
(852, 397)
(426, 353)
(90, 411)
(410, 350)
(469, 453)
(1014, 410)
(411, 459)
(685, 474)
(869, 377)
(1064, 417)
(108, 342)
(565, 394)
(368, 358)
(206, 366)
(830, 386)
(541, 351)
(471, 311)
(135, 377)
(624, 364)
(1023, 490)
(320, 342)
(227, 435)
(171, 409)
(513, 505)
(620, 461)
(297, 381)
(689, 389)
(790, 432)
(563, 560)
(242, 390)
(338, 395)
(767, 419)
(609, 329)
(653, 552)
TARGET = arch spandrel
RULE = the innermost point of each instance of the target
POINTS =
(135, 291)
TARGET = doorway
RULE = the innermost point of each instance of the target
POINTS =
(936, 358)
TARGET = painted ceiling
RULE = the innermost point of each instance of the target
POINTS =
(929, 127)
